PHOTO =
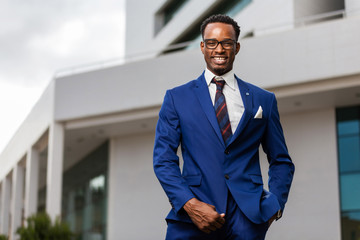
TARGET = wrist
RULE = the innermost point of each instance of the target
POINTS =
(188, 205)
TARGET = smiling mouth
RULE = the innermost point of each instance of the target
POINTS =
(219, 60)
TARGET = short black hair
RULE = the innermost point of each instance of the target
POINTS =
(222, 19)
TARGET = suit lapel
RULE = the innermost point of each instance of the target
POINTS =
(202, 92)
(247, 97)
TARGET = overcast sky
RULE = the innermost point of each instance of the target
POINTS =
(38, 38)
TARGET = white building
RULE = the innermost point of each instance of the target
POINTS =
(85, 150)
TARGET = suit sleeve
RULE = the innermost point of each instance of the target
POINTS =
(281, 168)
(166, 161)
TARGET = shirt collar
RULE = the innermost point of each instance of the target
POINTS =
(228, 77)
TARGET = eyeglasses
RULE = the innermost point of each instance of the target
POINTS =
(213, 43)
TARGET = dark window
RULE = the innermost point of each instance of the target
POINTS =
(167, 12)
(228, 7)
(84, 197)
(348, 132)
(41, 200)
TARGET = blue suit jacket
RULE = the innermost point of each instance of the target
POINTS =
(187, 117)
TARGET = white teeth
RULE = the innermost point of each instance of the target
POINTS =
(220, 59)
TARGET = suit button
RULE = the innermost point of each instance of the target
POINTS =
(226, 152)
(227, 176)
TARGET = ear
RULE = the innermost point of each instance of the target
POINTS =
(237, 48)
(202, 46)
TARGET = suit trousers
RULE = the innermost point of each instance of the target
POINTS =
(237, 227)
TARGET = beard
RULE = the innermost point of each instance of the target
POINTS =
(220, 71)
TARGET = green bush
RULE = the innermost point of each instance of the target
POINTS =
(3, 237)
(39, 227)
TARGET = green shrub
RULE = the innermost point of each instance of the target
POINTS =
(39, 227)
(3, 237)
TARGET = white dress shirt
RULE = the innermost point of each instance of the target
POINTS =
(234, 102)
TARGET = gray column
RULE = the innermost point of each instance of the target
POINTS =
(5, 205)
(17, 198)
(32, 182)
(54, 170)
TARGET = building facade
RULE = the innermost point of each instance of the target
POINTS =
(84, 153)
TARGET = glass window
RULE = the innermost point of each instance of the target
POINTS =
(350, 191)
(237, 7)
(43, 159)
(348, 121)
(350, 225)
(172, 9)
(167, 12)
(349, 153)
(348, 125)
(228, 7)
(84, 201)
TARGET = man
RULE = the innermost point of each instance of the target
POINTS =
(220, 122)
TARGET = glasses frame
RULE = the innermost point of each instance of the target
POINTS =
(219, 42)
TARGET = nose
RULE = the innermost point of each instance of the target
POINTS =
(219, 48)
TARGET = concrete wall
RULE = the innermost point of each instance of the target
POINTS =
(319, 51)
(313, 209)
(139, 26)
(301, 55)
(264, 17)
(352, 7)
(137, 203)
(124, 87)
(305, 8)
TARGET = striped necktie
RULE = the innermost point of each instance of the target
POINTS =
(221, 110)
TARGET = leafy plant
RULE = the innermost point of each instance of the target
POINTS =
(3, 237)
(40, 227)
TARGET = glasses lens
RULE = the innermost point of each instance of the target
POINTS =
(227, 44)
(211, 43)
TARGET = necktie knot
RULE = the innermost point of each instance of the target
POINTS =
(220, 83)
